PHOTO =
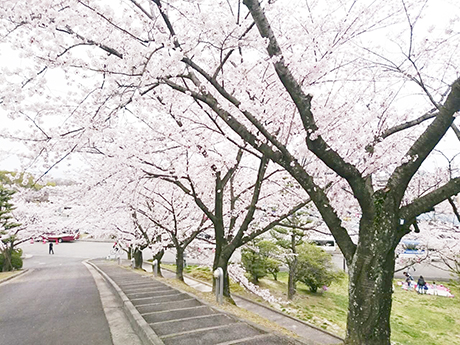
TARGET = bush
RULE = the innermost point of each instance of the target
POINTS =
(254, 263)
(314, 267)
(259, 259)
(16, 259)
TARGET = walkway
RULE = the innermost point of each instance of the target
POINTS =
(308, 333)
(164, 315)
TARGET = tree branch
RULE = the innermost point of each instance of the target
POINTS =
(284, 159)
(275, 222)
(428, 201)
(315, 142)
(108, 49)
(454, 208)
(425, 144)
(406, 125)
(255, 198)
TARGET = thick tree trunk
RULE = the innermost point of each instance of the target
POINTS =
(179, 263)
(137, 255)
(371, 287)
(292, 278)
(292, 268)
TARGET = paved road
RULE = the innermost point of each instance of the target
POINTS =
(56, 302)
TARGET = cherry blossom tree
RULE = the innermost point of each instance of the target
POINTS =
(350, 98)
(242, 199)
(173, 215)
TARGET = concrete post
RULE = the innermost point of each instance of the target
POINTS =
(155, 267)
(219, 275)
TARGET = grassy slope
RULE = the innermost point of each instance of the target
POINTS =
(416, 319)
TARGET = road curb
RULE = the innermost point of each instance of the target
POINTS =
(142, 328)
(19, 273)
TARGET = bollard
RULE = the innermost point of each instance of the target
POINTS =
(155, 267)
(119, 260)
(132, 263)
(219, 275)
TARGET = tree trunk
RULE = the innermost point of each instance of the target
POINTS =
(292, 278)
(7, 255)
(292, 268)
(137, 255)
(158, 256)
(371, 280)
(129, 253)
(222, 263)
(180, 263)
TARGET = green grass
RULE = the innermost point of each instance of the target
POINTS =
(325, 309)
(205, 275)
(425, 319)
(416, 319)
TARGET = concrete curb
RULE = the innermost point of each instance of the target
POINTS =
(18, 274)
(267, 307)
(142, 328)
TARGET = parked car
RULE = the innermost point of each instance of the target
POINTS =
(328, 245)
(64, 237)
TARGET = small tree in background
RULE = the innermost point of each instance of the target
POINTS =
(289, 239)
(314, 267)
(271, 253)
(254, 264)
(7, 231)
(259, 260)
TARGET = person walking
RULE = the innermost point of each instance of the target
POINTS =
(51, 250)
(421, 285)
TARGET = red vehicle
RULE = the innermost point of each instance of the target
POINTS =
(61, 237)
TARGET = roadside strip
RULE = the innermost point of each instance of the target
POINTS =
(138, 324)
(15, 275)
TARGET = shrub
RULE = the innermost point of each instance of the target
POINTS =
(314, 267)
(16, 259)
(258, 259)
(254, 263)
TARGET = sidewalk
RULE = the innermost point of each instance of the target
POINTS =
(163, 315)
(308, 333)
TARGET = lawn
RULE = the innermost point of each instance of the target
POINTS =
(416, 319)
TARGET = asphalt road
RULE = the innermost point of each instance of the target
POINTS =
(56, 302)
